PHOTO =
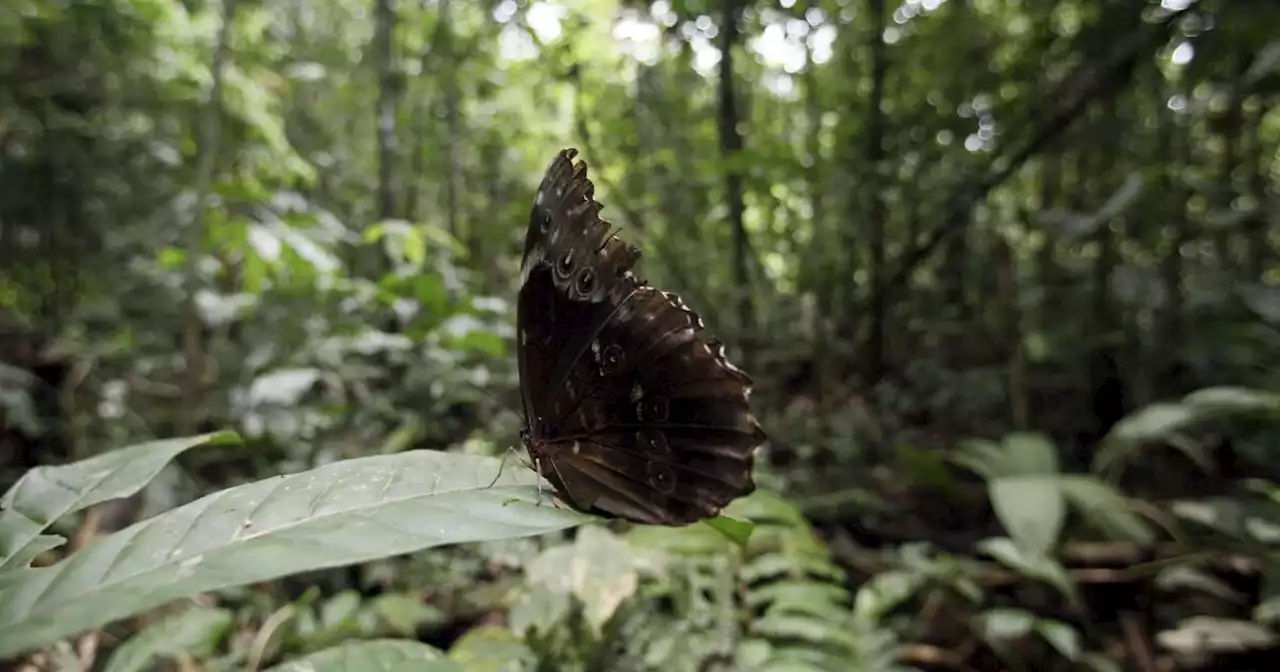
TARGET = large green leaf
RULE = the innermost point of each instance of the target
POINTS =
(338, 514)
(1023, 482)
(1031, 508)
(1164, 422)
(45, 494)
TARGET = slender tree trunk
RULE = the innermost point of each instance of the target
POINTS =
(814, 275)
(418, 122)
(384, 38)
(453, 138)
(1232, 127)
(1047, 268)
(1012, 326)
(876, 213)
(193, 346)
(731, 147)
(1258, 247)
(1176, 153)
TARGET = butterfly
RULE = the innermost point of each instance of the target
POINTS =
(628, 411)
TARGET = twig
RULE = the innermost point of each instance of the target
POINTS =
(260, 641)
(927, 654)
(1137, 642)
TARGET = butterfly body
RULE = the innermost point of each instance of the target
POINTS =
(629, 412)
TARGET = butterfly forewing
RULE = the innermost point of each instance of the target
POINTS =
(630, 412)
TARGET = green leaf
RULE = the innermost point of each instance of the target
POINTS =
(1031, 508)
(1030, 454)
(1262, 299)
(171, 257)
(597, 569)
(734, 529)
(194, 631)
(981, 456)
(790, 666)
(429, 289)
(21, 561)
(340, 609)
(437, 235)
(1163, 422)
(800, 596)
(1106, 509)
(491, 649)
(885, 592)
(810, 630)
(763, 507)
(45, 494)
(1038, 567)
(1199, 633)
(375, 655)
(405, 612)
(1019, 454)
(1022, 475)
(1224, 400)
(1079, 225)
(1001, 625)
(1268, 610)
(338, 514)
(692, 540)
(929, 470)
(400, 240)
(1128, 192)
(1267, 63)
(1099, 662)
(15, 401)
(1062, 637)
(465, 332)
(1151, 423)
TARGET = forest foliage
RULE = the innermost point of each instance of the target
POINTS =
(1005, 274)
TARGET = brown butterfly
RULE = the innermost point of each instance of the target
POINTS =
(628, 412)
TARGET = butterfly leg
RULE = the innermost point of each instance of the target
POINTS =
(537, 467)
(503, 464)
(555, 501)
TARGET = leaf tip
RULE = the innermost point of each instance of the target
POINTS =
(225, 437)
(737, 530)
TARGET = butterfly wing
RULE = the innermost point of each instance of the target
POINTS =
(631, 413)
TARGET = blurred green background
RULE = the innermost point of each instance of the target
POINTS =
(1004, 272)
